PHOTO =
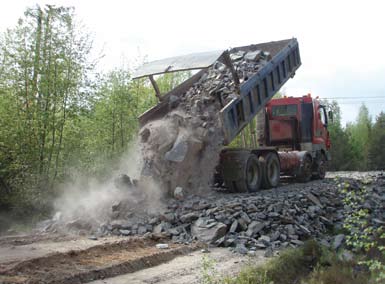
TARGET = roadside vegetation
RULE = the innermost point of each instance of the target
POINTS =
(310, 264)
(59, 117)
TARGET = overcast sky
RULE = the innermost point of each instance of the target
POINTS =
(342, 43)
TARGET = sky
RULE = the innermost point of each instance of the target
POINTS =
(342, 43)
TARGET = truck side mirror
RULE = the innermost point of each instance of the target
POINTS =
(330, 115)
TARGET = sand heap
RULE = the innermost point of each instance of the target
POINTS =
(182, 148)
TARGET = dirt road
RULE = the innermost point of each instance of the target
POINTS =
(83, 261)
(188, 269)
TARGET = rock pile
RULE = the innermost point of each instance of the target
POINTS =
(268, 219)
(182, 148)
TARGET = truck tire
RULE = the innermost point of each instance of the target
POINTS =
(253, 173)
(306, 169)
(271, 171)
(321, 168)
(248, 176)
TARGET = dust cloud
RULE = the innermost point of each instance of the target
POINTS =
(86, 203)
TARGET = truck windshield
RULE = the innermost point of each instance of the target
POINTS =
(284, 110)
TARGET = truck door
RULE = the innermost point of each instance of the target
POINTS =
(320, 124)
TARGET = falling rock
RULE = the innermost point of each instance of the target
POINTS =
(173, 101)
(208, 235)
(178, 152)
(144, 134)
(178, 193)
(254, 228)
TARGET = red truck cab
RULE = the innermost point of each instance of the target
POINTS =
(298, 125)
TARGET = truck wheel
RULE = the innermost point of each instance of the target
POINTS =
(306, 170)
(321, 168)
(248, 175)
(253, 173)
(271, 171)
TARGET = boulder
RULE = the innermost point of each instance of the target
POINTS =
(337, 242)
(254, 228)
(208, 234)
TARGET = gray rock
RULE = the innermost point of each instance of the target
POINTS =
(120, 224)
(254, 228)
(241, 249)
(290, 229)
(229, 242)
(173, 101)
(160, 228)
(144, 134)
(253, 55)
(187, 218)
(242, 224)
(314, 199)
(125, 232)
(142, 230)
(234, 226)
(168, 217)
(245, 217)
(208, 235)
(337, 242)
(178, 152)
(346, 256)
(297, 242)
(264, 239)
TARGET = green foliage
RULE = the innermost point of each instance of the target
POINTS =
(359, 136)
(310, 264)
(57, 120)
(376, 147)
(290, 266)
(363, 237)
(208, 271)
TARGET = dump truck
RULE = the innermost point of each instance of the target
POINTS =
(292, 134)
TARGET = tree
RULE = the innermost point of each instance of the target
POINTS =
(341, 154)
(376, 146)
(359, 136)
(42, 76)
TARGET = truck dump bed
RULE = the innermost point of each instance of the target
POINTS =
(254, 93)
(258, 90)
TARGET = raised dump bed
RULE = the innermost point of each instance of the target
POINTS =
(258, 90)
(254, 93)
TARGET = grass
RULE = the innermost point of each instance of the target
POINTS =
(309, 264)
